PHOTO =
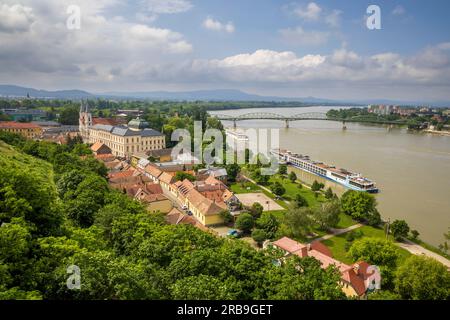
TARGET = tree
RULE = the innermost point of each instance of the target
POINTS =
(69, 181)
(329, 194)
(415, 234)
(360, 206)
(226, 216)
(269, 224)
(375, 251)
(399, 229)
(82, 204)
(292, 176)
(327, 215)
(244, 222)
(379, 252)
(316, 186)
(423, 278)
(278, 189)
(69, 115)
(256, 210)
(260, 178)
(297, 222)
(232, 171)
(202, 287)
(180, 176)
(300, 201)
(383, 295)
(259, 236)
(282, 169)
(303, 279)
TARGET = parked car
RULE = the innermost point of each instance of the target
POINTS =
(234, 233)
(184, 207)
(189, 213)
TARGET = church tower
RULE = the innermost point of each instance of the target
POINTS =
(85, 121)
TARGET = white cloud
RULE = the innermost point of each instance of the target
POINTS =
(309, 12)
(168, 6)
(212, 24)
(164, 39)
(93, 54)
(333, 19)
(15, 18)
(298, 36)
(398, 10)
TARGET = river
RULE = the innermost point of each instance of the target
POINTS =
(412, 170)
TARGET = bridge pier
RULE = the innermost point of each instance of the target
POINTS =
(344, 127)
(234, 123)
(287, 123)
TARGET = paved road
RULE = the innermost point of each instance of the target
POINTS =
(419, 250)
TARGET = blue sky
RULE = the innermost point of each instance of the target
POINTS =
(290, 48)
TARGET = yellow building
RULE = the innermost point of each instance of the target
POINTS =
(27, 130)
(126, 140)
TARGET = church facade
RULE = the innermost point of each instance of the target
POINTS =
(123, 140)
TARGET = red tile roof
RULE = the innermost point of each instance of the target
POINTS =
(166, 178)
(107, 121)
(153, 171)
(18, 125)
(121, 174)
(355, 275)
(288, 245)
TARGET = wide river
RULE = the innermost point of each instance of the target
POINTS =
(412, 170)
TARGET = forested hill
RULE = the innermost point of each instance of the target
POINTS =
(56, 210)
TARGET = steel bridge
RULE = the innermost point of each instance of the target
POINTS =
(298, 117)
(275, 116)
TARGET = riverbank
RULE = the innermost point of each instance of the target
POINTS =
(441, 133)
(335, 238)
(411, 168)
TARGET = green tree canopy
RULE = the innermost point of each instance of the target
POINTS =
(244, 222)
(423, 278)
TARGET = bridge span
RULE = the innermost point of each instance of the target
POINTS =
(275, 116)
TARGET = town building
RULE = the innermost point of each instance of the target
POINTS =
(100, 148)
(124, 141)
(163, 155)
(205, 199)
(25, 129)
(25, 114)
(355, 279)
(138, 186)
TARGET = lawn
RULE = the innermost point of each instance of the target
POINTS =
(246, 187)
(292, 190)
(337, 244)
(345, 221)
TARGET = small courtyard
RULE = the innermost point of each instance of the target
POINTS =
(248, 199)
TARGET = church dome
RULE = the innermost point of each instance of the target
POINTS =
(137, 124)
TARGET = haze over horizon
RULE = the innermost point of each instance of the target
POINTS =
(288, 49)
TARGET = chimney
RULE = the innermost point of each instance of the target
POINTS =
(304, 251)
(356, 268)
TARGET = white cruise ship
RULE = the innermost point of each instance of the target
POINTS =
(351, 180)
(236, 135)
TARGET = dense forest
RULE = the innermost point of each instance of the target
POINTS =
(56, 210)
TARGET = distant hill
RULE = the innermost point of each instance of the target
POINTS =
(211, 95)
(16, 91)
(205, 95)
